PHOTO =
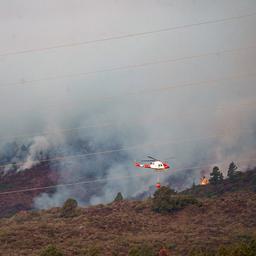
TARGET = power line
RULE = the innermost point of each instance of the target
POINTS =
(161, 89)
(128, 148)
(111, 123)
(130, 35)
(105, 124)
(127, 67)
(73, 184)
(209, 82)
(104, 179)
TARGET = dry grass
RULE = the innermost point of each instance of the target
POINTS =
(119, 226)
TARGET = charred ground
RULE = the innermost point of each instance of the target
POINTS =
(35, 177)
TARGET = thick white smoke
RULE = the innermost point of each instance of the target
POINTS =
(198, 125)
(35, 154)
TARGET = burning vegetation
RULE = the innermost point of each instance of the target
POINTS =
(204, 181)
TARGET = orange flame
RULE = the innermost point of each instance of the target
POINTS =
(204, 181)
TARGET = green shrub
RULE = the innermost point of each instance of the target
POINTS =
(142, 250)
(247, 248)
(93, 251)
(201, 252)
(164, 191)
(166, 200)
(69, 208)
(51, 250)
(171, 246)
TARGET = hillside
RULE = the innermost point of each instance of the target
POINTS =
(42, 175)
(35, 177)
(243, 181)
(116, 228)
(226, 216)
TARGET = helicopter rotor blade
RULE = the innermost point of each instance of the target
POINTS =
(169, 158)
(152, 158)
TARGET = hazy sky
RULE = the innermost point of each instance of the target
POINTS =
(181, 114)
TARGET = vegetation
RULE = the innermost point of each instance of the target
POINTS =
(134, 228)
(120, 229)
(216, 176)
(232, 170)
(69, 208)
(93, 251)
(51, 250)
(241, 181)
(246, 248)
(142, 250)
(166, 200)
(119, 197)
(4, 187)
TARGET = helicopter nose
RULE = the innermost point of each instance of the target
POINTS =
(166, 166)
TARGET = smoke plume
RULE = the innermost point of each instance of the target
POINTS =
(54, 104)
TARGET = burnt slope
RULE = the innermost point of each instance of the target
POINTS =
(38, 176)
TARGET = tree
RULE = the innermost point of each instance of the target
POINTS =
(119, 197)
(216, 176)
(162, 199)
(167, 200)
(69, 208)
(232, 170)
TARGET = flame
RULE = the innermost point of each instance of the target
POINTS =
(204, 181)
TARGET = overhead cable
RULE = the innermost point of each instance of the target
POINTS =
(105, 179)
(129, 35)
(127, 148)
(34, 82)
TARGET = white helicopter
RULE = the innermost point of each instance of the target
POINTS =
(155, 164)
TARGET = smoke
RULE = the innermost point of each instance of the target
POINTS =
(46, 201)
(35, 153)
(201, 125)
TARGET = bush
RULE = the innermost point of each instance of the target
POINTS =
(166, 200)
(165, 191)
(247, 248)
(93, 251)
(51, 250)
(201, 252)
(69, 208)
(119, 197)
(142, 250)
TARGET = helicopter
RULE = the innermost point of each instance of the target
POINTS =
(155, 164)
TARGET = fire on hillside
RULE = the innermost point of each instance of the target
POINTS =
(204, 181)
